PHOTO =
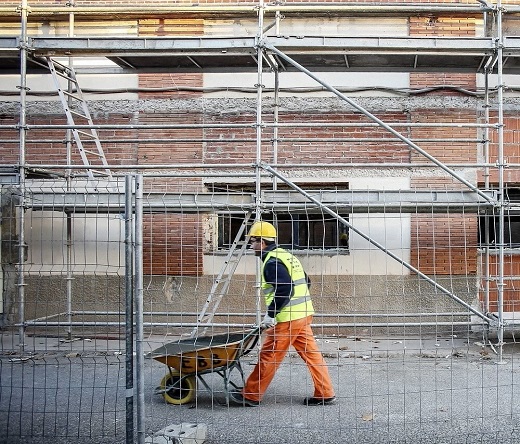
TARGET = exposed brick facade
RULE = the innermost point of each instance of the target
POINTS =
(441, 244)
(172, 245)
(511, 285)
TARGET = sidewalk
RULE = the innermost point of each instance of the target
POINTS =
(389, 390)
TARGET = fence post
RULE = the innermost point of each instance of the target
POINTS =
(129, 311)
(138, 291)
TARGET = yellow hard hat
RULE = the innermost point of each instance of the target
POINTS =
(262, 229)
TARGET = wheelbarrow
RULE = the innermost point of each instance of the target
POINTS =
(188, 360)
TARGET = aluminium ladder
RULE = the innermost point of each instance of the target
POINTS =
(223, 279)
(76, 110)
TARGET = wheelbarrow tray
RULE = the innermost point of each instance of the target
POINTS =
(206, 353)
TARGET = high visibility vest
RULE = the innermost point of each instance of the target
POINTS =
(300, 304)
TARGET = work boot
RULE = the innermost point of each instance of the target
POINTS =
(236, 398)
(319, 401)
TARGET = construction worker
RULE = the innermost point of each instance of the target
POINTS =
(287, 322)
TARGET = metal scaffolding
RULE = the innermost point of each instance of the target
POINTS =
(493, 54)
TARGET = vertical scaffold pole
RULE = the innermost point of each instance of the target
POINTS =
(258, 170)
(70, 240)
(485, 273)
(24, 11)
(501, 190)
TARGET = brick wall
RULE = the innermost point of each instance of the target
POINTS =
(511, 292)
(233, 145)
(169, 85)
(183, 146)
(440, 245)
(452, 144)
(10, 152)
(511, 140)
(511, 145)
(48, 146)
(330, 150)
(442, 26)
(324, 144)
(159, 27)
(443, 245)
(432, 236)
(172, 245)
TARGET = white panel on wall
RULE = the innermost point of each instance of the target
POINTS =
(332, 26)
(355, 82)
(97, 243)
(392, 231)
(43, 83)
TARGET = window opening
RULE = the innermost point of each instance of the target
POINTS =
(310, 230)
(511, 223)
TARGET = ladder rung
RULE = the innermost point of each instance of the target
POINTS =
(66, 77)
(78, 114)
(73, 96)
(94, 153)
(60, 65)
(101, 172)
(87, 135)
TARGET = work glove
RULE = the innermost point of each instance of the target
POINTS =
(268, 321)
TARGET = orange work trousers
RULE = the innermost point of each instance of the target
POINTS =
(276, 344)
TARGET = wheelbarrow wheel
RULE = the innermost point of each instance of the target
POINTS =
(178, 390)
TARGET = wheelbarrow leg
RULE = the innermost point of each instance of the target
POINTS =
(228, 383)
(204, 383)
